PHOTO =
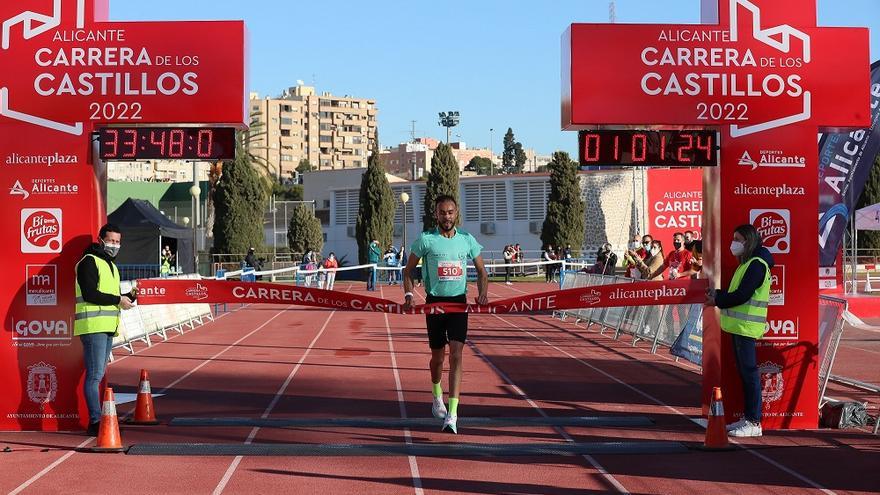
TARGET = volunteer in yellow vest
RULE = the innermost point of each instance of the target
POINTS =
(96, 319)
(744, 316)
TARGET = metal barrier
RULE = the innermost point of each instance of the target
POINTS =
(141, 323)
(659, 325)
(134, 272)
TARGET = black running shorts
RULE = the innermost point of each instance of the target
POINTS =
(446, 327)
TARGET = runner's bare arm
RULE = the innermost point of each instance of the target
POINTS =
(407, 280)
(482, 281)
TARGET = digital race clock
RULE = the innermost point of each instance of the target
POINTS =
(169, 143)
(682, 148)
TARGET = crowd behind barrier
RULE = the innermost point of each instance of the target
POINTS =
(143, 323)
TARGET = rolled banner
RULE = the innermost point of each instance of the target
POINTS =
(182, 291)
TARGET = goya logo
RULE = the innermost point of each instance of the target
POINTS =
(41, 330)
(774, 226)
(782, 329)
(41, 230)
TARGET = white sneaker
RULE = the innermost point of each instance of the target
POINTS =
(438, 409)
(733, 426)
(450, 424)
(748, 429)
(509, 283)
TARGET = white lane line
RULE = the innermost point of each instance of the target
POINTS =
(667, 406)
(55, 464)
(116, 360)
(407, 434)
(49, 468)
(212, 358)
(561, 431)
(253, 434)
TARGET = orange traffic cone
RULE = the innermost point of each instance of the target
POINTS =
(144, 413)
(716, 433)
(109, 439)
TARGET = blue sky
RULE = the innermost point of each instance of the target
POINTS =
(496, 62)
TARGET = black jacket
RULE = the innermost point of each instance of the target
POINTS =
(751, 281)
(87, 277)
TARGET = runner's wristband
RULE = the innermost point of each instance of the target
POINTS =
(408, 294)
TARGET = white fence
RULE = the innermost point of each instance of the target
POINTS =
(142, 323)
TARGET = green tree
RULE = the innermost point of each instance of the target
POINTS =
(304, 230)
(519, 156)
(240, 202)
(564, 222)
(304, 166)
(443, 179)
(375, 219)
(479, 164)
(870, 195)
(508, 155)
(285, 192)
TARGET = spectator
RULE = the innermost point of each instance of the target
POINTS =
(630, 268)
(310, 265)
(695, 264)
(167, 260)
(606, 260)
(689, 238)
(549, 255)
(651, 268)
(678, 259)
(509, 254)
(567, 252)
(645, 250)
(373, 255)
(330, 264)
(391, 261)
(518, 258)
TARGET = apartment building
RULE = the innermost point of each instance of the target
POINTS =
(331, 132)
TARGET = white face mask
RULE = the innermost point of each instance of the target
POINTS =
(737, 248)
(635, 245)
(655, 251)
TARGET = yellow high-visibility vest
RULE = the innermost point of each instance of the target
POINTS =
(750, 318)
(93, 318)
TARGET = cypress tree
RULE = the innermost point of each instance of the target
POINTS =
(870, 195)
(443, 179)
(240, 202)
(508, 155)
(375, 219)
(564, 222)
(520, 158)
(304, 230)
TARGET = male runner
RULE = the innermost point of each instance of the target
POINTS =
(444, 252)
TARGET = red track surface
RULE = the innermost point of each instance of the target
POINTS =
(274, 361)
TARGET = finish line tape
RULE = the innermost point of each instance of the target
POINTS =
(182, 291)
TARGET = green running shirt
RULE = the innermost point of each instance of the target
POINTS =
(444, 261)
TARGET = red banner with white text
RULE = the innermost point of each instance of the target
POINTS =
(675, 203)
(167, 291)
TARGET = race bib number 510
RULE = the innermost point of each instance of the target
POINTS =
(448, 271)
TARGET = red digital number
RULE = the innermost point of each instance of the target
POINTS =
(131, 143)
(707, 148)
(205, 144)
(595, 148)
(158, 142)
(663, 147)
(690, 146)
(114, 143)
(175, 144)
(636, 157)
(616, 148)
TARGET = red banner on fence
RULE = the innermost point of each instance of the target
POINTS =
(168, 291)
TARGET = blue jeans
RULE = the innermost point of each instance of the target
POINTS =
(747, 364)
(96, 353)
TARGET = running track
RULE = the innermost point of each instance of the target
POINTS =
(287, 362)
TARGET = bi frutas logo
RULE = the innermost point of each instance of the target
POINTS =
(41, 230)
(42, 383)
(772, 383)
(774, 226)
(41, 285)
(199, 292)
